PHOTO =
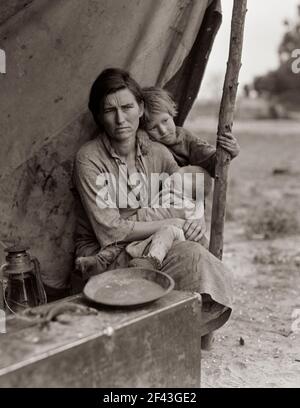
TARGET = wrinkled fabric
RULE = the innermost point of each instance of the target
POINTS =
(46, 120)
(190, 149)
(182, 194)
(150, 38)
(111, 226)
(157, 245)
(103, 232)
(185, 84)
(194, 268)
(170, 202)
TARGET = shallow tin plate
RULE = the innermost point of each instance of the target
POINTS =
(128, 286)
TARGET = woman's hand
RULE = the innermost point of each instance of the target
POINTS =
(229, 143)
(194, 229)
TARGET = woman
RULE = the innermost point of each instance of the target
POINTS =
(103, 170)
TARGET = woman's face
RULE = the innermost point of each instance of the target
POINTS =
(121, 115)
(161, 127)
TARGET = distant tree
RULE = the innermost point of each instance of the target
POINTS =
(290, 41)
(282, 85)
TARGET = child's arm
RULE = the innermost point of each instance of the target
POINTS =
(204, 154)
(198, 152)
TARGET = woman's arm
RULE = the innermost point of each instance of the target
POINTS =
(107, 224)
(143, 229)
(194, 229)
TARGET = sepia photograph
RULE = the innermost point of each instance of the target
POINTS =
(149, 196)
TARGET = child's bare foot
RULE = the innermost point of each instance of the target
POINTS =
(146, 262)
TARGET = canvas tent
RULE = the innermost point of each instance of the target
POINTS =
(54, 50)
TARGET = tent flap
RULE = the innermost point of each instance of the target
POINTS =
(185, 84)
(54, 50)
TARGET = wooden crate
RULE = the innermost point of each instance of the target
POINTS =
(157, 345)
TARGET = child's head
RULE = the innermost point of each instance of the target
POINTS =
(160, 110)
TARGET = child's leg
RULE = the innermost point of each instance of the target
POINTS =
(151, 252)
(93, 265)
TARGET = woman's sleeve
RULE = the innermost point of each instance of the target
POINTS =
(97, 197)
(164, 159)
(163, 162)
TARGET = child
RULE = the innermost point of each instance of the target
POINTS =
(187, 149)
(160, 110)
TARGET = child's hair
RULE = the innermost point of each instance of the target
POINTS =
(158, 100)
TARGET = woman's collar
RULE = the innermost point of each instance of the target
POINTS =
(142, 144)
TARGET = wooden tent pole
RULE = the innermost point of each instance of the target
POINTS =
(225, 125)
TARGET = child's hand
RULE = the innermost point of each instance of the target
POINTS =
(194, 229)
(229, 143)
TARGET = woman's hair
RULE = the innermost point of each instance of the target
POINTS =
(158, 100)
(110, 81)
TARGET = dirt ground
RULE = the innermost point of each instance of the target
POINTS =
(260, 345)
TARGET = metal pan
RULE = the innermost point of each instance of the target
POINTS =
(128, 286)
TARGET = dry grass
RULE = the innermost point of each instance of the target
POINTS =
(263, 199)
(272, 221)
